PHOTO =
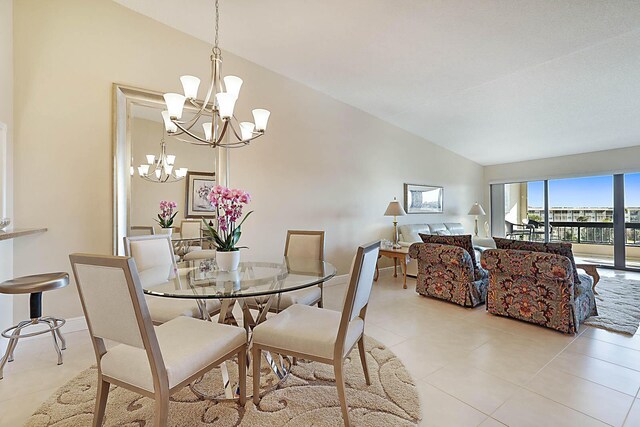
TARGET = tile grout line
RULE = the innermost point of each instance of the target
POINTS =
(526, 383)
(595, 382)
(560, 403)
(635, 400)
(604, 360)
(612, 343)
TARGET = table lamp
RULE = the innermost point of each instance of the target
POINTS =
(395, 210)
(476, 210)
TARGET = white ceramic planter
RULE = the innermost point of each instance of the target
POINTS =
(228, 261)
(168, 231)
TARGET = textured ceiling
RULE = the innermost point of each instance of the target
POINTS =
(494, 80)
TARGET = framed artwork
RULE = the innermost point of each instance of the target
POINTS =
(423, 199)
(199, 184)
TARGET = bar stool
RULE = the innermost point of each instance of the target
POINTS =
(34, 285)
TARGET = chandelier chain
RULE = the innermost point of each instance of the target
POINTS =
(215, 44)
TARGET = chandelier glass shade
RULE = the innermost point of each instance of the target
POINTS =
(223, 129)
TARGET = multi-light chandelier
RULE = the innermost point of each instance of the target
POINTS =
(218, 104)
(161, 168)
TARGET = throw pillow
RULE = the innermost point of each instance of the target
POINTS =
(462, 241)
(519, 245)
(563, 249)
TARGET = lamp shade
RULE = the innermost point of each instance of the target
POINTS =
(261, 118)
(233, 85)
(394, 209)
(175, 104)
(168, 124)
(190, 85)
(226, 102)
(476, 209)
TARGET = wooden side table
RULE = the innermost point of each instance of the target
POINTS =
(401, 255)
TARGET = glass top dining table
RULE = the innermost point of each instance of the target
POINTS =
(201, 279)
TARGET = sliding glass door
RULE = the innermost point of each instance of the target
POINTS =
(524, 211)
(581, 213)
(598, 215)
(632, 219)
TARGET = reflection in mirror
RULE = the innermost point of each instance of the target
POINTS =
(140, 163)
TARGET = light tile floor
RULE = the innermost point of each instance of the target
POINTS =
(471, 368)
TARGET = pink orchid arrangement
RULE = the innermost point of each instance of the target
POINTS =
(228, 204)
(166, 215)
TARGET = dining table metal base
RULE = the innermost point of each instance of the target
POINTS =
(280, 364)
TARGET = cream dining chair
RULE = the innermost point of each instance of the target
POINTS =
(153, 361)
(190, 228)
(156, 264)
(322, 335)
(142, 230)
(203, 254)
(303, 245)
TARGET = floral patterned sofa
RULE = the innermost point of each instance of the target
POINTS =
(449, 271)
(537, 287)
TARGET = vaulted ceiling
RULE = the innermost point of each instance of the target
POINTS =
(494, 80)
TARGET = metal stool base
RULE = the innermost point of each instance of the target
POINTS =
(14, 333)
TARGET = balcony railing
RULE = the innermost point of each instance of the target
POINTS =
(594, 233)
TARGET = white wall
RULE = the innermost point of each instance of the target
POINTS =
(322, 164)
(6, 164)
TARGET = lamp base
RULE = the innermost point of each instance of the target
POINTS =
(395, 245)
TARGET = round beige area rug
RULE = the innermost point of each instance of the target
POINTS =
(308, 397)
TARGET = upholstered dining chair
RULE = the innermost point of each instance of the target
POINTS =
(319, 334)
(190, 229)
(152, 361)
(156, 264)
(306, 244)
(203, 254)
(142, 230)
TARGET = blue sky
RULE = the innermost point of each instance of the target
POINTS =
(594, 191)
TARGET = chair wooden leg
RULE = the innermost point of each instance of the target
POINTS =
(337, 368)
(294, 361)
(242, 375)
(321, 302)
(363, 359)
(161, 416)
(256, 359)
(101, 402)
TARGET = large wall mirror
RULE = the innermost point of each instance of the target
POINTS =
(139, 132)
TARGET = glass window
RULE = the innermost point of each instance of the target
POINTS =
(581, 213)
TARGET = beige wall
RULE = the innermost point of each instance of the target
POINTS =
(322, 165)
(6, 187)
(145, 195)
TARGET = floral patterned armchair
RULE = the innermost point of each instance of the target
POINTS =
(538, 288)
(447, 272)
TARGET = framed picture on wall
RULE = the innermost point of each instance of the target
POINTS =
(198, 186)
(423, 199)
